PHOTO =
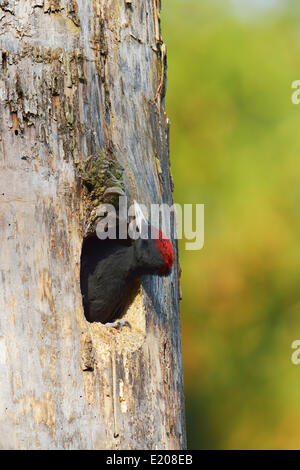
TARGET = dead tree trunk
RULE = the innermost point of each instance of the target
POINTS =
(81, 80)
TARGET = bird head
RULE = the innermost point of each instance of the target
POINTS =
(153, 250)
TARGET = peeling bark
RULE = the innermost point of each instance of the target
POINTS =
(79, 79)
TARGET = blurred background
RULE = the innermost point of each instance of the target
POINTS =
(235, 146)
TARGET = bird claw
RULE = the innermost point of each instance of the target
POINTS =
(118, 325)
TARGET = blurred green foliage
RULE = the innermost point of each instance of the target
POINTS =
(235, 146)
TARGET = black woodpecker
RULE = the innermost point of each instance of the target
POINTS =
(109, 269)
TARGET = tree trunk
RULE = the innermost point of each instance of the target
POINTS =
(81, 80)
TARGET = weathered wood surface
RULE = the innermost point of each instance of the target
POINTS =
(76, 78)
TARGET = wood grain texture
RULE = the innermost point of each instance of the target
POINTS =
(78, 78)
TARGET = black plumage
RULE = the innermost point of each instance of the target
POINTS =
(109, 269)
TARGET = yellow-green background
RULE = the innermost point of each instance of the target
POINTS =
(235, 146)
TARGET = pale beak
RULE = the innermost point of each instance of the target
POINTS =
(140, 219)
